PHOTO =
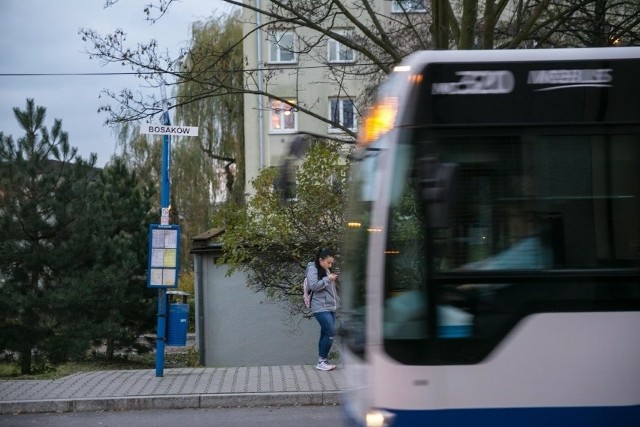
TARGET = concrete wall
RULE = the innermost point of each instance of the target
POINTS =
(242, 328)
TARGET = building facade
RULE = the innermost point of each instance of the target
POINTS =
(303, 80)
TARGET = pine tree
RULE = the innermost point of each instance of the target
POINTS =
(123, 309)
(44, 187)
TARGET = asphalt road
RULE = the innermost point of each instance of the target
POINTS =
(286, 416)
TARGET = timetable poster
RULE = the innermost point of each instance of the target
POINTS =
(163, 256)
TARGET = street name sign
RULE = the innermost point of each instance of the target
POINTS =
(169, 130)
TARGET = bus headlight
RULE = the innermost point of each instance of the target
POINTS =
(379, 418)
(379, 121)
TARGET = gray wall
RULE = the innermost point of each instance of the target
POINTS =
(242, 328)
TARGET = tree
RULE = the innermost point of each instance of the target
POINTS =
(73, 248)
(204, 72)
(44, 189)
(380, 40)
(219, 115)
(114, 295)
(594, 23)
(194, 196)
(206, 169)
(272, 241)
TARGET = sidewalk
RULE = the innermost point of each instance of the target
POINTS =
(178, 388)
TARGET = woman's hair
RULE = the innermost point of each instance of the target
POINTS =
(322, 254)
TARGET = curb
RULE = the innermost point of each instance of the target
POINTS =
(192, 401)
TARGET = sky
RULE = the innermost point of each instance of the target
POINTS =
(41, 36)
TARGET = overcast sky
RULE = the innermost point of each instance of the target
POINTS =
(41, 36)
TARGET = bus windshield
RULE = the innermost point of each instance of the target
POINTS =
(481, 228)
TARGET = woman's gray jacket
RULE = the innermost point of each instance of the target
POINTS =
(325, 296)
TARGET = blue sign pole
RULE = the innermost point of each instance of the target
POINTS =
(162, 292)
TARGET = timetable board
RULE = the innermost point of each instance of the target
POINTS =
(164, 256)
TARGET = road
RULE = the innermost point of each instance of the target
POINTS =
(289, 416)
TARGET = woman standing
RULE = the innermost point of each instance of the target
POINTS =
(324, 302)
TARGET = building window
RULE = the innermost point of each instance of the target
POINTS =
(408, 6)
(282, 46)
(283, 116)
(342, 111)
(338, 52)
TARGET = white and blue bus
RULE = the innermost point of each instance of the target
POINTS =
(491, 265)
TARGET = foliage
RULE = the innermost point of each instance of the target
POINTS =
(122, 308)
(44, 195)
(107, 301)
(186, 283)
(588, 23)
(72, 249)
(380, 40)
(193, 178)
(207, 169)
(272, 240)
(141, 154)
(213, 57)
(94, 361)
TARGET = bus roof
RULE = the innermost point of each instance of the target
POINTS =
(424, 57)
(537, 87)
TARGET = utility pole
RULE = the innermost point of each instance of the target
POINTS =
(165, 191)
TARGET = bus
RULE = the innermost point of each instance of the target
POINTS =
(491, 261)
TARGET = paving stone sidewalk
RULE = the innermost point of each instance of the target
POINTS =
(178, 388)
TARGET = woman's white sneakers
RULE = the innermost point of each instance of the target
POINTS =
(324, 365)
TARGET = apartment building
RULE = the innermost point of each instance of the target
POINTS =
(305, 82)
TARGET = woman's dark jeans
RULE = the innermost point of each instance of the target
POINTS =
(327, 320)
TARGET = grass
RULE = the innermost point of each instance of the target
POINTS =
(96, 362)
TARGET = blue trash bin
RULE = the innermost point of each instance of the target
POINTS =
(177, 324)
